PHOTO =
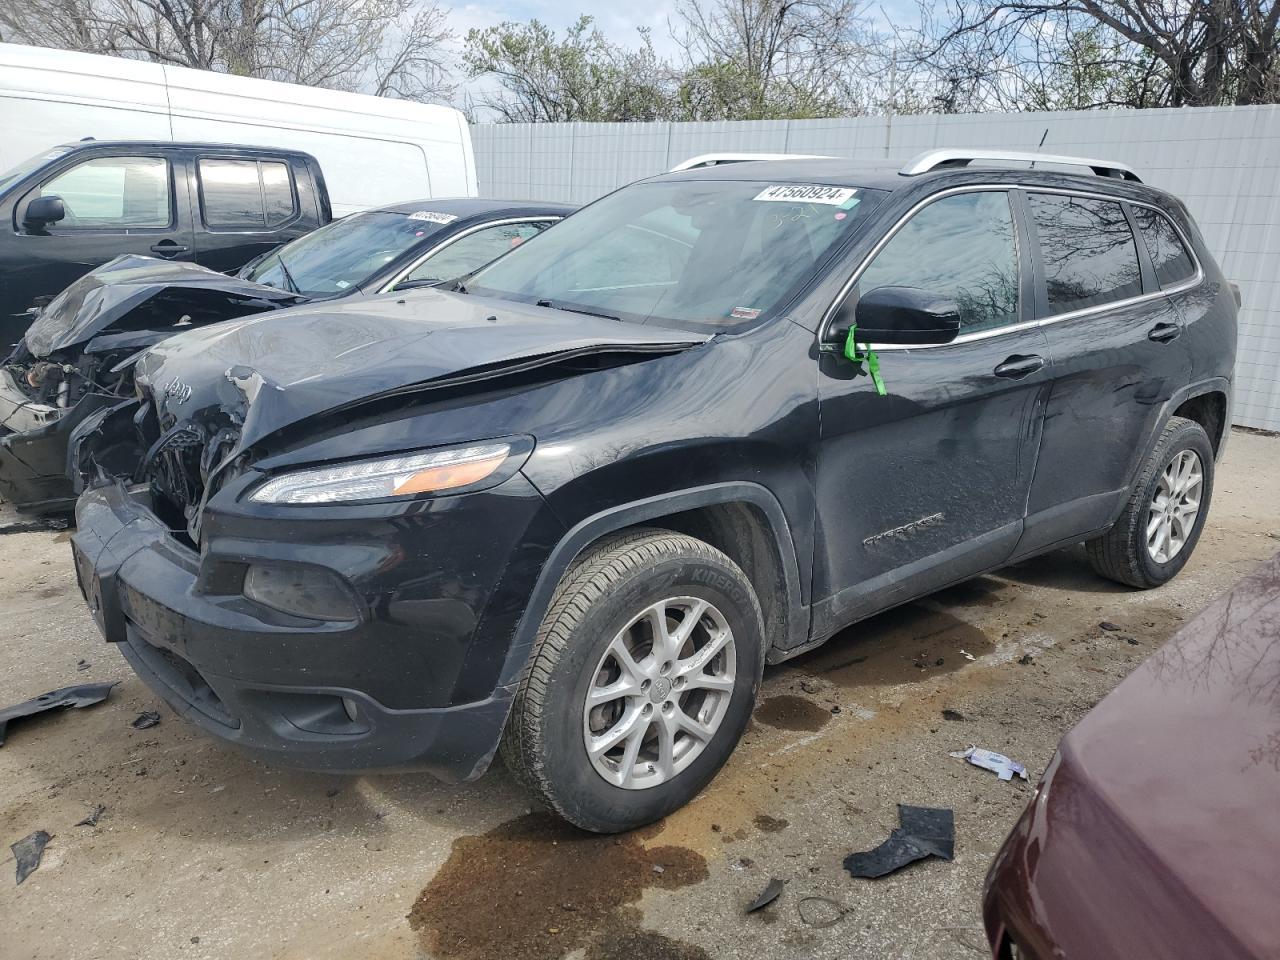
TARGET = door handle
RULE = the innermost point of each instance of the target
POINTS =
(1164, 332)
(167, 248)
(1019, 366)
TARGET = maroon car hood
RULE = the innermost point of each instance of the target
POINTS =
(1182, 853)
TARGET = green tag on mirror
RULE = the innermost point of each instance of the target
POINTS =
(864, 354)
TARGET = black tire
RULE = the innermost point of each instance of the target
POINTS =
(1121, 553)
(608, 586)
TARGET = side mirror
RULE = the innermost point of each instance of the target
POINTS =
(43, 211)
(902, 315)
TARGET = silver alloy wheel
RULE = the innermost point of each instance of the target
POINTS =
(659, 693)
(1175, 506)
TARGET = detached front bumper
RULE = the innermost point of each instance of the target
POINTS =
(310, 694)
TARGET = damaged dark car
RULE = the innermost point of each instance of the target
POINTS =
(76, 358)
(571, 507)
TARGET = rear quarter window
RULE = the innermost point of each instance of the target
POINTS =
(1169, 255)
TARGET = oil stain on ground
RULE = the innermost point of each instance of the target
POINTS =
(908, 643)
(789, 712)
(537, 888)
(770, 824)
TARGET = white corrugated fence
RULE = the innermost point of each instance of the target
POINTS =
(1223, 161)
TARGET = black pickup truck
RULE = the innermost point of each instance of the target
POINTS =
(76, 206)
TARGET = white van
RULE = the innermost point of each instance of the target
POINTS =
(373, 150)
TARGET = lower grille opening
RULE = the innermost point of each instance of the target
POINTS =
(182, 678)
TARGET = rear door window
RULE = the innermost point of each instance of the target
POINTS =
(1089, 254)
(1169, 256)
(246, 194)
(962, 247)
(113, 193)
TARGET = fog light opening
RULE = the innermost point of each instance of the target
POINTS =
(301, 591)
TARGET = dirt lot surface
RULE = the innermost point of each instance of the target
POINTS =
(206, 853)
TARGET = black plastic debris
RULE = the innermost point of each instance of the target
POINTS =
(953, 715)
(28, 852)
(92, 819)
(33, 526)
(1109, 626)
(145, 720)
(85, 695)
(767, 895)
(923, 832)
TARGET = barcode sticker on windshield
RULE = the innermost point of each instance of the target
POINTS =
(807, 193)
(432, 217)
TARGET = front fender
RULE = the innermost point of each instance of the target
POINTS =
(651, 510)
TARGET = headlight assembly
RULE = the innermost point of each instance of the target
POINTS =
(403, 475)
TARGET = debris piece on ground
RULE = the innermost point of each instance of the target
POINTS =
(659, 868)
(92, 819)
(1132, 641)
(1026, 660)
(923, 832)
(34, 526)
(967, 655)
(1109, 626)
(767, 896)
(145, 720)
(997, 763)
(83, 664)
(28, 851)
(954, 715)
(820, 912)
(85, 695)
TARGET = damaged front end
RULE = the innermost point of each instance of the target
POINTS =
(77, 359)
(357, 632)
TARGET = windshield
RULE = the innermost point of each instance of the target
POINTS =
(14, 174)
(696, 254)
(345, 253)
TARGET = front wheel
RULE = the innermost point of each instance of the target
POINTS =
(1161, 522)
(641, 681)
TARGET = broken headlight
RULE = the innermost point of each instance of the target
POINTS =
(404, 475)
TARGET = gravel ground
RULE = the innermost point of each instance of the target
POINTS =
(203, 852)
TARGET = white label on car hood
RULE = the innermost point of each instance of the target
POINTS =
(808, 193)
(432, 217)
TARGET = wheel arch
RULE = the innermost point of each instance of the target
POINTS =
(743, 520)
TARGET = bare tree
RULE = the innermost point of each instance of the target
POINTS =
(1011, 54)
(540, 77)
(748, 59)
(389, 47)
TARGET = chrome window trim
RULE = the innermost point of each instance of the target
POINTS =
(390, 284)
(1195, 280)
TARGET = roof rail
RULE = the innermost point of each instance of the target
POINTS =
(716, 159)
(934, 159)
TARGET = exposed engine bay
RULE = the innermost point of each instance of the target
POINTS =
(78, 358)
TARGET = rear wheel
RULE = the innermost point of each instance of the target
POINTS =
(641, 681)
(1161, 523)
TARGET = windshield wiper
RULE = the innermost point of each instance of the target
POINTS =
(589, 313)
(287, 275)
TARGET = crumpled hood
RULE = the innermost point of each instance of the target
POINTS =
(108, 294)
(279, 368)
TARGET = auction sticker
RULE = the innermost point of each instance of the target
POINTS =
(432, 217)
(808, 193)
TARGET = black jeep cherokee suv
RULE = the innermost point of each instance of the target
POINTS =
(574, 506)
